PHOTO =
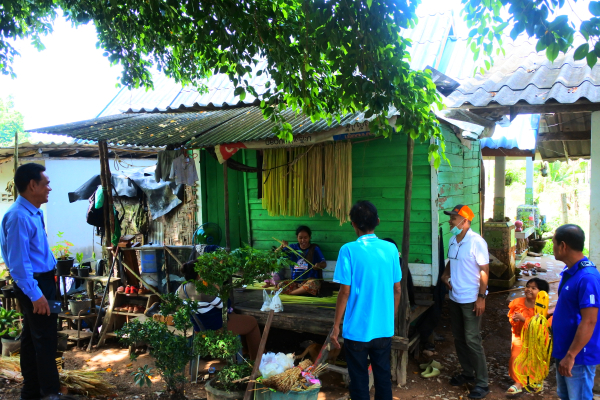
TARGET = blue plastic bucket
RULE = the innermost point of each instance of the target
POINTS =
(151, 261)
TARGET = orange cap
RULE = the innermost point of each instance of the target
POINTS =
(463, 211)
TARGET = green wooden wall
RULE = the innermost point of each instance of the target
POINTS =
(459, 183)
(378, 169)
(213, 206)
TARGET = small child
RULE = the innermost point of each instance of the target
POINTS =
(520, 310)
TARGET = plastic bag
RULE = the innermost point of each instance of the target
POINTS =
(272, 364)
(266, 303)
(276, 304)
(99, 198)
(272, 302)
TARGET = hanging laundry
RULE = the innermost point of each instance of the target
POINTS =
(164, 164)
(184, 171)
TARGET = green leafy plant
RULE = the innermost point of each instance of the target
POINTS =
(10, 323)
(79, 258)
(142, 376)
(543, 228)
(231, 373)
(171, 352)
(216, 270)
(61, 248)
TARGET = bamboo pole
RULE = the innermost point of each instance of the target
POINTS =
(105, 206)
(15, 192)
(261, 350)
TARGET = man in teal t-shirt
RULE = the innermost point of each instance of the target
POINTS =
(368, 271)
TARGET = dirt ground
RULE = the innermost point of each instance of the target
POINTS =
(114, 361)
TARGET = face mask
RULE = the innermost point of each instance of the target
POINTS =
(456, 230)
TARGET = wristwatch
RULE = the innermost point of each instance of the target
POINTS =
(482, 295)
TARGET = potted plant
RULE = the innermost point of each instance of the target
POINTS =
(75, 268)
(61, 251)
(539, 242)
(4, 277)
(10, 330)
(171, 352)
(79, 302)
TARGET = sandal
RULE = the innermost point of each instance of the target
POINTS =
(513, 390)
(459, 380)
(121, 289)
(479, 392)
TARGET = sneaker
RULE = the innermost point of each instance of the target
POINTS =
(460, 379)
(128, 290)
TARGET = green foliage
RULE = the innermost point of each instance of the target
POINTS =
(10, 323)
(11, 121)
(79, 258)
(61, 248)
(142, 376)
(511, 176)
(543, 228)
(548, 248)
(231, 373)
(216, 270)
(323, 59)
(171, 352)
(222, 344)
(538, 19)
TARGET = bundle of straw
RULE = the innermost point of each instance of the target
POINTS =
(305, 364)
(87, 383)
(285, 381)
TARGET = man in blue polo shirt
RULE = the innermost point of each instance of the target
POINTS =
(576, 335)
(369, 274)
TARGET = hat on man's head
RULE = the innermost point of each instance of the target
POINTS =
(463, 211)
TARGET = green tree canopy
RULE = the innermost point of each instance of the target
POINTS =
(11, 121)
(539, 19)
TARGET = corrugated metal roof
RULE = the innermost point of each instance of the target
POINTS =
(526, 76)
(170, 96)
(519, 135)
(85, 148)
(191, 129)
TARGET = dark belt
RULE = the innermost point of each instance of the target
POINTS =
(45, 275)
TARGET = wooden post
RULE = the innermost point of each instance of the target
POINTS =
(261, 350)
(105, 207)
(564, 209)
(594, 181)
(15, 192)
(226, 196)
(108, 175)
(400, 357)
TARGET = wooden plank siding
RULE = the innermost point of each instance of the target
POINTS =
(458, 183)
(378, 169)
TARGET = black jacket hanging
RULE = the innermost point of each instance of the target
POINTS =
(95, 216)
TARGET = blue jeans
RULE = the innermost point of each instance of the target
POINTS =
(577, 387)
(358, 355)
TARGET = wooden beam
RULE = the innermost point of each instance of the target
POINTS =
(564, 136)
(67, 153)
(524, 108)
(507, 153)
(20, 155)
(261, 350)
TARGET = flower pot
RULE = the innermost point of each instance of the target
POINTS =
(537, 245)
(213, 393)
(74, 271)
(84, 271)
(63, 267)
(9, 346)
(8, 292)
(79, 305)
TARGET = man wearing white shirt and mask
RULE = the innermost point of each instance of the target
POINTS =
(466, 276)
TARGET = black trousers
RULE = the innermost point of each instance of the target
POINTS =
(358, 356)
(38, 345)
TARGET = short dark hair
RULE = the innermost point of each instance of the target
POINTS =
(541, 284)
(303, 228)
(189, 271)
(25, 173)
(392, 241)
(572, 235)
(364, 215)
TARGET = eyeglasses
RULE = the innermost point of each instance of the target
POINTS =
(456, 252)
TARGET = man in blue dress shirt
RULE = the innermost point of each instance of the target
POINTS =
(31, 264)
(575, 325)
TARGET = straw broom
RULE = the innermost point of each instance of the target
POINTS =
(285, 381)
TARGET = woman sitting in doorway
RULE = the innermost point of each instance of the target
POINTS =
(306, 279)
(210, 312)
